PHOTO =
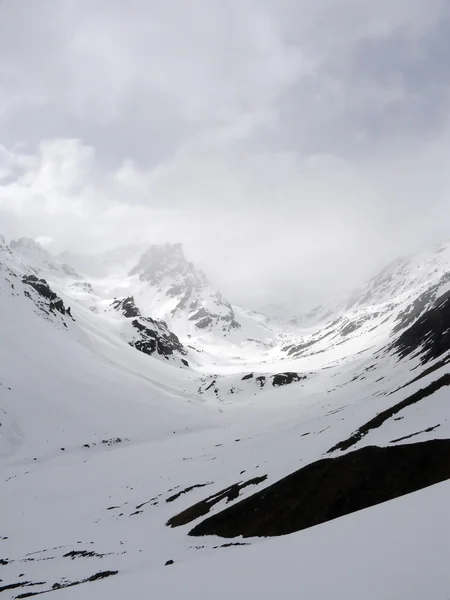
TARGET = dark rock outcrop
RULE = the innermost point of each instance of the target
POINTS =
(429, 336)
(51, 302)
(422, 303)
(187, 490)
(286, 378)
(202, 508)
(155, 336)
(249, 376)
(152, 335)
(331, 488)
(127, 306)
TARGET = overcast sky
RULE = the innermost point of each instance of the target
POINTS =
(293, 146)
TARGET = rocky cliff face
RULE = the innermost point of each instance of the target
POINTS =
(185, 289)
(148, 335)
(20, 279)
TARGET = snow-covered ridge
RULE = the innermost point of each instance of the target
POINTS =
(170, 290)
(39, 259)
(403, 277)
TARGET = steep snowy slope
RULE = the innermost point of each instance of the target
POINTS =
(55, 359)
(404, 276)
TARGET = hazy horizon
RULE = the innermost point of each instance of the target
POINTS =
(293, 148)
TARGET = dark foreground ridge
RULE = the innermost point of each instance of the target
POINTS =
(331, 488)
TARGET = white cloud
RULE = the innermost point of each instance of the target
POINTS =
(44, 240)
(259, 224)
(280, 141)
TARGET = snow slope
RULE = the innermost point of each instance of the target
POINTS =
(393, 551)
(66, 382)
(101, 445)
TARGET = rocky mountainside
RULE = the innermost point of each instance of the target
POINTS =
(25, 261)
(18, 279)
(404, 277)
(169, 288)
(182, 290)
(390, 302)
(150, 336)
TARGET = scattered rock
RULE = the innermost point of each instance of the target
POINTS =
(261, 380)
(387, 414)
(286, 378)
(202, 508)
(188, 489)
(83, 554)
(407, 437)
(249, 376)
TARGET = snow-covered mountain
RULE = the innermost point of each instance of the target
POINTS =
(151, 433)
(39, 259)
(404, 277)
(173, 286)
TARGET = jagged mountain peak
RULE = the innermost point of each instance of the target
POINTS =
(181, 291)
(162, 260)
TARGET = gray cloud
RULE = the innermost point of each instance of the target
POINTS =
(292, 146)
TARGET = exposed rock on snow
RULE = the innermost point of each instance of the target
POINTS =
(332, 487)
(166, 269)
(202, 508)
(150, 336)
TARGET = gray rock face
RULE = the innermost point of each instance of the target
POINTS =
(48, 301)
(150, 335)
(166, 268)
